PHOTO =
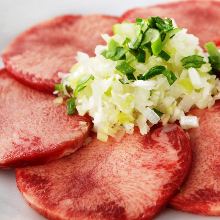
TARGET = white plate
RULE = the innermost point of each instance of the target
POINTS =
(16, 16)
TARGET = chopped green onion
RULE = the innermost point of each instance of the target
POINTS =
(159, 113)
(139, 20)
(212, 49)
(58, 87)
(123, 81)
(173, 32)
(157, 70)
(71, 105)
(194, 61)
(170, 34)
(215, 63)
(142, 23)
(126, 69)
(163, 25)
(139, 54)
(112, 45)
(130, 57)
(81, 85)
(137, 42)
(154, 71)
(118, 54)
(162, 36)
(171, 78)
(214, 56)
(156, 47)
(153, 36)
(126, 42)
(114, 51)
(164, 55)
(150, 35)
(63, 89)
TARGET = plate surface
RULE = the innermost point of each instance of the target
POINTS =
(16, 17)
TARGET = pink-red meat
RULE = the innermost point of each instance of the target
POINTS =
(201, 18)
(129, 179)
(32, 129)
(201, 192)
(37, 55)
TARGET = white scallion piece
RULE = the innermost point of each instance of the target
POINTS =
(188, 122)
(195, 78)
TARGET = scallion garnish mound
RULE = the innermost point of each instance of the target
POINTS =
(149, 71)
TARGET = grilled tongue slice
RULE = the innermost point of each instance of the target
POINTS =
(32, 128)
(201, 192)
(36, 56)
(130, 179)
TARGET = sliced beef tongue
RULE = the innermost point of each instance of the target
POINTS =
(129, 179)
(201, 18)
(32, 129)
(201, 192)
(37, 55)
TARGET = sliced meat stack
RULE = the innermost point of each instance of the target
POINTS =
(36, 56)
(201, 18)
(201, 192)
(32, 129)
(130, 179)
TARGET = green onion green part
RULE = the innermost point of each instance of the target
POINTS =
(82, 84)
(154, 71)
(163, 25)
(159, 113)
(214, 56)
(58, 87)
(114, 52)
(126, 69)
(164, 55)
(71, 105)
(152, 36)
(171, 78)
(137, 42)
(194, 61)
(157, 70)
(139, 54)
